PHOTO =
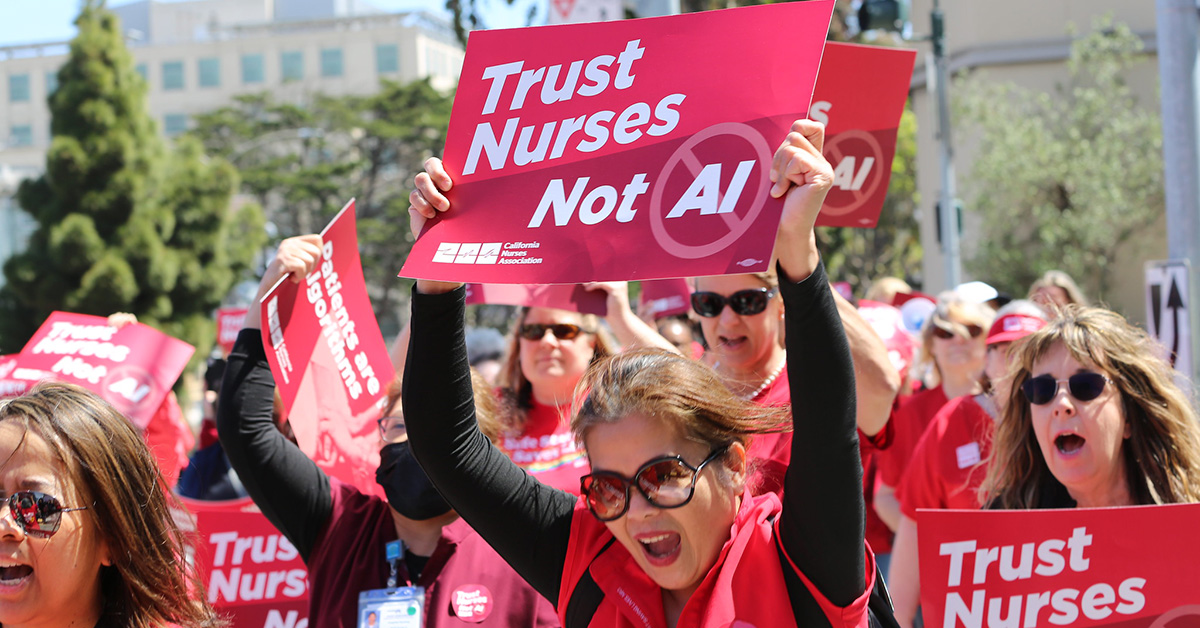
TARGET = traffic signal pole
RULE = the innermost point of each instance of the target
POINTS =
(947, 215)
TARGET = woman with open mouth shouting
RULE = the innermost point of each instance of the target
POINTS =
(666, 533)
(1095, 419)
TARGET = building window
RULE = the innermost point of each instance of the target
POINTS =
(172, 77)
(252, 69)
(331, 62)
(174, 124)
(210, 72)
(51, 83)
(144, 71)
(387, 59)
(292, 65)
(22, 135)
(18, 88)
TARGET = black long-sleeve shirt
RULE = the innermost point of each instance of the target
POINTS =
(821, 525)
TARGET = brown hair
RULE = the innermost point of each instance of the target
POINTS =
(1162, 454)
(149, 583)
(486, 407)
(516, 392)
(686, 394)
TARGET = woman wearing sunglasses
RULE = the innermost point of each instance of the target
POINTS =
(1095, 419)
(86, 535)
(667, 534)
(950, 461)
(350, 541)
(953, 349)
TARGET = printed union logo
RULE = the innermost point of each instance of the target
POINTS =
(467, 253)
(748, 262)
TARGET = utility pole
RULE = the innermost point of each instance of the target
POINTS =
(947, 210)
(1178, 65)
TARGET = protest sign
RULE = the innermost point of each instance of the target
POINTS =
(229, 323)
(133, 367)
(1117, 567)
(860, 97)
(329, 359)
(607, 151)
(253, 575)
(9, 386)
(573, 297)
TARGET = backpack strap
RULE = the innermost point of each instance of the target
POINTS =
(586, 597)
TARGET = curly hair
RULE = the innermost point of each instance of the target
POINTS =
(1162, 454)
(149, 583)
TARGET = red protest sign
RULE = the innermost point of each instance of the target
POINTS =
(860, 97)
(229, 323)
(1078, 568)
(9, 385)
(329, 359)
(133, 367)
(252, 573)
(605, 151)
(573, 297)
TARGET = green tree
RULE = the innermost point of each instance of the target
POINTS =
(304, 161)
(1063, 179)
(124, 222)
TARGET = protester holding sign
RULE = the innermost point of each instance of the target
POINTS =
(342, 534)
(88, 537)
(950, 461)
(694, 548)
(954, 347)
(742, 320)
(1095, 419)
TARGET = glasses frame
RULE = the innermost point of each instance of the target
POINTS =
(973, 330)
(380, 421)
(38, 496)
(741, 305)
(561, 331)
(627, 483)
(1027, 387)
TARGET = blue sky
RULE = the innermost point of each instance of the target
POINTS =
(23, 22)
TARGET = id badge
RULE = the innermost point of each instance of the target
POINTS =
(402, 607)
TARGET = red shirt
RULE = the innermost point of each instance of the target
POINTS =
(348, 558)
(950, 461)
(170, 439)
(909, 420)
(745, 587)
(546, 448)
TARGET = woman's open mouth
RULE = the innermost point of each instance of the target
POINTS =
(1069, 444)
(661, 549)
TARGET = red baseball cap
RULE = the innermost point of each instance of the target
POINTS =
(1012, 327)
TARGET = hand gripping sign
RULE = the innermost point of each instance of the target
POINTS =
(133, 367)
(635, 149)
(253, 575)
(329, 359)
(1121, 567)
(860, 97)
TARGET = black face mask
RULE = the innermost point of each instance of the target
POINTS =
(407, 487)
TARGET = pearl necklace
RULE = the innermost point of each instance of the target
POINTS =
(766, 382)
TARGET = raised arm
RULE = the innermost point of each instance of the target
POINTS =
(822, 521)
(631, 331)
(286, 485)
(876, 381)
(525, 521)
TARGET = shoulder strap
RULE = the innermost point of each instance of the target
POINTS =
(586, 597)
(883, 614)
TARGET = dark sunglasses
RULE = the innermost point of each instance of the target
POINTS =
(1042, 389)
(562, 331)
(743, 302)
(38, 514)
(667, 482)
(946, 334)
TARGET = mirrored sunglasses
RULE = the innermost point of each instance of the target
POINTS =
(666, 482)
(38, 514)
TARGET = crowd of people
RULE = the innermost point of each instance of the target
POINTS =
(761, 459)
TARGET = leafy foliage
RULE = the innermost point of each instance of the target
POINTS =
(124, 223)
(1063, 179)
(303, 162)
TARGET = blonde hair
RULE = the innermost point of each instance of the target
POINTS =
(1059, 279)
(515, 390)
(885, 289)
(1162, 453)
(149, 583)
(955, 311)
